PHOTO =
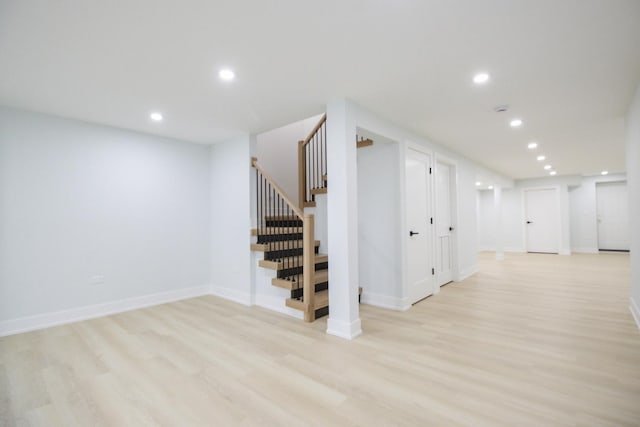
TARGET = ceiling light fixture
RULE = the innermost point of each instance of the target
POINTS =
(481, 78)
(515, 123)
(532, 145)
(552, 173)
(478, 183)
(490, 187)
(540, 158)
(227, 74)
(604, 173)
(156, 117)
(547, 167)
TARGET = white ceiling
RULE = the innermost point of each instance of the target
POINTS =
(567, 67)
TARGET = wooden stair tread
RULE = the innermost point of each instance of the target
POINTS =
(322, 190)
(321, 276)
(292, 262)
(321, 300)
(276, 246)
(282, 218)
(276, 230)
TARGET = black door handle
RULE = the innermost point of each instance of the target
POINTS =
(451, 228)
(411, 233)
(529, 222)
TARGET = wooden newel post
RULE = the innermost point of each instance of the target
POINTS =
(302, 175)
(309, 268)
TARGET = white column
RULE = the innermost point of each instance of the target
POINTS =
(342, 220)
(497, 203)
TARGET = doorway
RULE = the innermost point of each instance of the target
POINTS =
(419, 223)
(542, 220)
(613, 216)
(445, 227)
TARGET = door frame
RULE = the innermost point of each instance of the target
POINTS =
(523, 197)
(453, 200)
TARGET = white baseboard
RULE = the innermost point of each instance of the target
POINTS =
(585, 250)
(234, 295)
(384, 301)
(512, 249)
(277, 304)
(47, 320)
(467, 272)
(635, 311)
(342, 329)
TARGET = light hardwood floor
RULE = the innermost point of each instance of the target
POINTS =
(539, 340)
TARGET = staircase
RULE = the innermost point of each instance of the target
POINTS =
(285, 233)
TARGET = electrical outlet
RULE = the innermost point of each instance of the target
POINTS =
(96, 280)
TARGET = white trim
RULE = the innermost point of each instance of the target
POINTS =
(635, 311)
(47, 320)
(467, 272)
(278, 304)
(231, 294)
(384, 301)
(511, 249)
(342, 329)
(585, 250)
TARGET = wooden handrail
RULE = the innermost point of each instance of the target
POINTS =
(294, 206)
(315, 129)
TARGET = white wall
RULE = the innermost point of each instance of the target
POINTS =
(79, 200)
(379, 224)
(633, 182)
(230, 182)
(277, 152)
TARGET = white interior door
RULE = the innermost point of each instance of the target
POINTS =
(444, 224)
(613, 216)
(542, 220)
(419, 235)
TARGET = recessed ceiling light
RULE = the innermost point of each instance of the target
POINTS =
(540, 158)
(552, 173)
(478, 183)
(516, 123)
(547, 167)
(481, 78)
(226, 74)
(604, 173)
(490, 187)
(156, 117)
(532, 145)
